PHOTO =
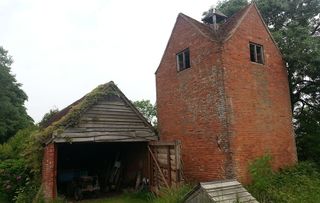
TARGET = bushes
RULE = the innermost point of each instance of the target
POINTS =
(300, 183)
(17, 180)
(13, 175)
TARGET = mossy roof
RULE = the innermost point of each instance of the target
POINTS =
(70, 116)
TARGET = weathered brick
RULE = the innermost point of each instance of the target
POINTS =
(225, 109)
(49, 171)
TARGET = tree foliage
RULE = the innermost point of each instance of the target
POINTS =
(148, 110)
(13, 115)
(17, 178)
(308, 136)
(295, 25)
(48, 116)
(229, 7)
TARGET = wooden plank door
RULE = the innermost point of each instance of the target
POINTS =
(165, 164)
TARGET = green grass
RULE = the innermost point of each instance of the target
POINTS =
(168, 196)
(125, 198)
(297, 184)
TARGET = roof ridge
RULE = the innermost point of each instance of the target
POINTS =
(56, 117)
(233, 22)
(195, 23)
(226, 29)
(70, 115)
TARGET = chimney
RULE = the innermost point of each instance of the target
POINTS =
(213, 17)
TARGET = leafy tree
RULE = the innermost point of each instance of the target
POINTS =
(13, 115)
(229, 7)
(48, 116)
(148, 110)
(308, 136)
(295, 26)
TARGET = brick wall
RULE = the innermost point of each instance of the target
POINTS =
(258, 97)
(225, 109)
(49, 171)
(191, 105)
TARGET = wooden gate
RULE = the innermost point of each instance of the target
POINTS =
(165, 165)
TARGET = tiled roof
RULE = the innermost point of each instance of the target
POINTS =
(57, 116)
(225, 29)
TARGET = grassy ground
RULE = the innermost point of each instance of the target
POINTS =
(125, 198)
(168, 196)
(297, 184)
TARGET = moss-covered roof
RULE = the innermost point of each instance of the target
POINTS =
(70, 116)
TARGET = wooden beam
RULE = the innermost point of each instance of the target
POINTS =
(169, 166)
(162, 143)
(155, 160)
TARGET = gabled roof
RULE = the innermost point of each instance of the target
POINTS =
(69, 117)
(204, 29)
(225, 29)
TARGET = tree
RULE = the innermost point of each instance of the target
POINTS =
(295, 25)
(13, 115)
(48, 116)
(308, 136)
(229, 7)
(148, 110)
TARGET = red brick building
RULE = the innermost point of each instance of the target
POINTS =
(222, 90)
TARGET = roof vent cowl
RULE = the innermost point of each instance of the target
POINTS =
(213, 17)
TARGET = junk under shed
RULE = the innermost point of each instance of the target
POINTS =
(115, 166)
(98, 143)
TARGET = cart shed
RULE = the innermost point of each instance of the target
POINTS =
(226, 191)
(102, 136)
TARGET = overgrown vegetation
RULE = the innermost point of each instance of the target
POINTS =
(46, 118)
(297, 184)
(19, 183)
(21, 156)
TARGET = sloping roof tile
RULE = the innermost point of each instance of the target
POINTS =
(225, 29)
(204, 29)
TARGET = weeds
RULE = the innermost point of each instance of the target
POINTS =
(297, 184)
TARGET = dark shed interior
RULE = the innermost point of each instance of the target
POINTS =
(113, 166)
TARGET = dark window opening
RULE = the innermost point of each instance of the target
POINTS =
(183, 60)
(256, 53)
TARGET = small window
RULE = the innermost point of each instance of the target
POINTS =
(256, 53)
(183, 60)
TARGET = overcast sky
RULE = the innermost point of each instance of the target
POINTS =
(62, 49)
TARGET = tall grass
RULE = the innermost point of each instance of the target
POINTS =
(297, 184)
(172, 195)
